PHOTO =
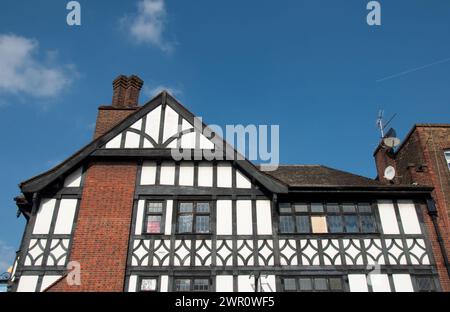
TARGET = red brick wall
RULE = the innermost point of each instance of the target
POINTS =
(102, 231)
(421, 160)
(109, 116)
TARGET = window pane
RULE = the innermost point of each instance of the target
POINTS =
(185, 224)
(333, 208)
(305, 284)
(316, 207)
(182, 285)
(335, 224)
(186, 207)
(348, 208)
(351, 224)
(202, 207)
(154, 224)
(302, 224)
(289, 284)
(286, 224)
(425, 284)
(368, 224)
(447, 157)
(202, 224)
(364, 208)
(148, 284)
(285, 207)
(154, 207)
(335, 284)
(201, 285)
(301, 207)
(320, 284)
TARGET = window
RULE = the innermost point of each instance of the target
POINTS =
(447, 158)
(425, 284)
(351, 218)
(313, 283)
(149, 284)
(327, 218)
(153, 217)
(193, 217)
(192, 284)
(294, 218)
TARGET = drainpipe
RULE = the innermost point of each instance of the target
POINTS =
(432, 212)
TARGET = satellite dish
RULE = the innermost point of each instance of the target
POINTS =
(390, 139)
(389, 173)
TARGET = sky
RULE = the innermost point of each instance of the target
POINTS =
(313, 67)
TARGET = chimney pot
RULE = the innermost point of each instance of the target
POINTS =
(126, 91)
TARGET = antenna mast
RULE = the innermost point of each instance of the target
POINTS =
(380, 124)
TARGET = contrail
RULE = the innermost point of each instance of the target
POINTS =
(413, 70)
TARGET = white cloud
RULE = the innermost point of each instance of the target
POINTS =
(153, 91)
(147, 26)
(7, 255)
(22, 73)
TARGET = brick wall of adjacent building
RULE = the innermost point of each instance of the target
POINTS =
(102, 230)
(420, 159)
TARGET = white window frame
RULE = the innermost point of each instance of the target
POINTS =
(447, 158)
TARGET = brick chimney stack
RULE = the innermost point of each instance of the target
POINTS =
(124, 102)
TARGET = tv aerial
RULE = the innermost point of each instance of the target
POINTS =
(389, 139)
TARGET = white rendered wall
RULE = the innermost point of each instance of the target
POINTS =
(388, 217)
(224, 283)
(224, 221)
(408, 215)
(402, 283)
(264, 217)
(224, 175)
(44, 216)
(167, 173)
(244, 220)
(357, 283)
(148, 173)
(66, 215)
(205, 174)
(27, 283)
(74, 179)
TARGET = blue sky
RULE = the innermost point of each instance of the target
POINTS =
(313, 67)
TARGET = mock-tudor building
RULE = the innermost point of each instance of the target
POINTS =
(122, 214)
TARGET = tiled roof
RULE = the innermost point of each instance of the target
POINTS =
(316, 175)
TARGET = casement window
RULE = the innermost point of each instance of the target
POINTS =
(326, 218)
(447, 158)
(424, 283)
(154, 217)
(192, 284)
(313, 284)
(148, 284)
(193, 217)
